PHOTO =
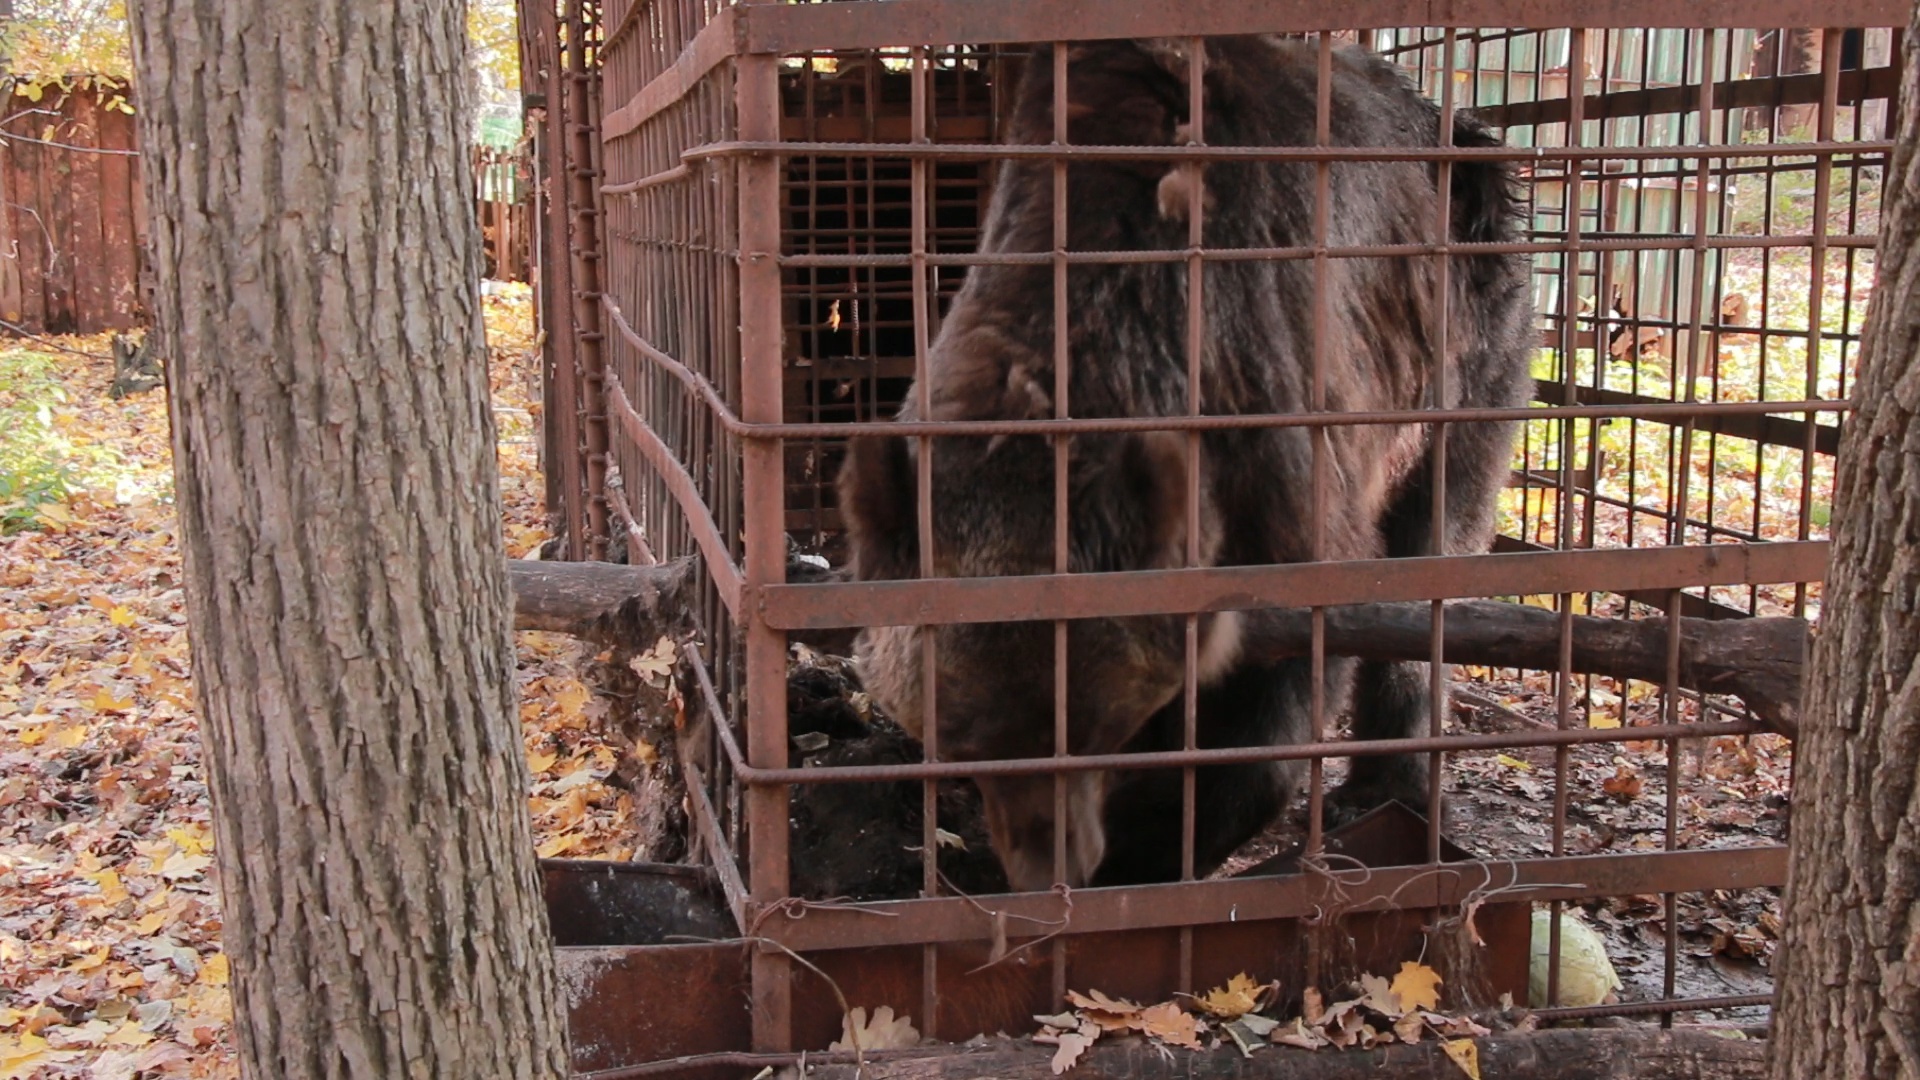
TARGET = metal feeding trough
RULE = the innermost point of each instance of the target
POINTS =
(654, 968)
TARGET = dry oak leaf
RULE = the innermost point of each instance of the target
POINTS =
(1417, 987)
(883, 1032)
(1466, 1054)
(1171, 1024)
(1239, 997)
(1069, 1048)
(1378, 994)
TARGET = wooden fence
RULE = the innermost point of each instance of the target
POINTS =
(72, 218)
(73, 223)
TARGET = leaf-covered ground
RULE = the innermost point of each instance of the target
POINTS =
(110, 961)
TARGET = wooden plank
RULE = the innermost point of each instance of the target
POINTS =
(27, 185)
(56, 210)
(120, 261)
(88, 250)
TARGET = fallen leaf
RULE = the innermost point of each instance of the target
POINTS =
(540, 761)
(120, 616)
(1513, 763)
(1300, 1035)
(1466, 1054)
(1378, 994)
(216, 970)
(1239, 997)
(1409, 1027)
(1417, 986)
(104, 701)
(1069, 1048)
(1625, 784)
(1171, 1024)
(882, 1032)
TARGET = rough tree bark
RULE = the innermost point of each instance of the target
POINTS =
(1849, 972)
(317, 280)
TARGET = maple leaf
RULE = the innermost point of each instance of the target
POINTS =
(1239, 997)
(1466, 1054)
(104, 701)
(883, 1032)
(1417, 986)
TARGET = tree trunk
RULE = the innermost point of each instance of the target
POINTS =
(1849, 973)
(317, 278)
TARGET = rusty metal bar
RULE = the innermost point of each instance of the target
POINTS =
(710, 48)
(579, 90)
(679, 484)
(1045, 597)
(1216, 152)
(866, 24)
(1283, 897)
(757, 108)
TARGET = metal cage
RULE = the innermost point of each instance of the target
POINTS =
(764, 223)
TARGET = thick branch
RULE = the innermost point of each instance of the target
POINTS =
(1618, 1054)
(1760, 660)
(604, 602)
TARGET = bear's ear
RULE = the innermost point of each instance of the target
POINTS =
(878, 492)
(1174, 55)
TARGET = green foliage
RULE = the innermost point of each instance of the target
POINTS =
(41, 464)
(47, 40)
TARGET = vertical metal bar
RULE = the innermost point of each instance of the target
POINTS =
(1817, 280)
(757, 107)
(557, 309)
(1196, 337)
(1670, 714)
(1061, 509)
(930, 729)
(1443, 317)
(1563, 516)
(581, 87)
(1317, 402)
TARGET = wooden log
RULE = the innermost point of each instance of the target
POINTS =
(1760, 660)
(1637, 1053)
(604, 602)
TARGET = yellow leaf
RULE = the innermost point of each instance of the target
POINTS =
(1239, 997)
(559, 845)
(181, 866)
(192, 839)
(1603, 719)
(18, 1053)
(216, 970)
(1513, 763)
(121, 617)
(111, 891)
(644, 750)
(1417, 987)
(570, 699)
(150, 922)
(67, 738)
(54, 513)
(129, 1034)
(33, 736)
(104, 701)
(1466, 1054)
(140, 665)
(541, 761)
(90, 961)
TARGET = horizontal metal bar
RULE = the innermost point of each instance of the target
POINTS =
(664, 176)
(868, 24)
(1650, 1008)
(716, 43)
(1664, 242)
(1308, 154)
(720, 566)
(1765, 91)
(1772, 430)
(1232, 755)
(1198, 903)
(1044, 597)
